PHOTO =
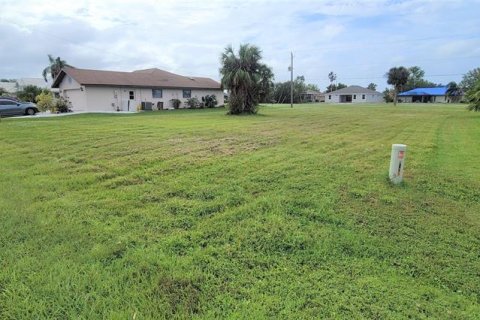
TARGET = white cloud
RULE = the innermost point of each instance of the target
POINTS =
(359, 40)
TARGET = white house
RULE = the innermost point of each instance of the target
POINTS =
(354, 94)
(20, 84)
(9, 87)
(97, 90)
(37, 82)
(312, 96)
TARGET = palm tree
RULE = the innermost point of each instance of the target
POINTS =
(453, 91)
(242, 75)
(332, 77)
(473, 97)
(397, 77)
(56, 65)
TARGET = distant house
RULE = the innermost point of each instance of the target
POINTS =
(312, 96)
(437, 94)
(20, 84)
(10, 87)
(353, 94)
(98, 90)
(38, 82)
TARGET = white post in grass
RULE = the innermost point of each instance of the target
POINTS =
(397, 162)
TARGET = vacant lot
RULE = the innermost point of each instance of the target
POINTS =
(287, 214)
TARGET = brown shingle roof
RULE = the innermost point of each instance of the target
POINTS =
(140, 78)
(354, 90)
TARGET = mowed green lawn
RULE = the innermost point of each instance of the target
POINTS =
(287, 214)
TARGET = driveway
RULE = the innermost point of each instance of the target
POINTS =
(49, 114)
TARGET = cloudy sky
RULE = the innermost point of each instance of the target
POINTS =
(359, 40)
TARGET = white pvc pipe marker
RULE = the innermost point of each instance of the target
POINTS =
(397, 162)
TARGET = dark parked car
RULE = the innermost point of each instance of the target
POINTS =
(12, 107)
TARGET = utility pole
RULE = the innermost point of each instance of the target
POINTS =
(291, 80)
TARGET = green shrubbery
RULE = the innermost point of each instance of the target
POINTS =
(210, 101)
(46, 101)
(29, 93)
(62, 105)
(193, 103)
(473, 97)
(175, 103)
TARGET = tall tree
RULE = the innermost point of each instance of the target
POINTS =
(332, 77)
(54, 67)
(266, 84)
(473, 97)
(469, 79)
(311, 86)
(299, 87)
(372, 86)
(416, 74)
(397, 77)
(333, 87)
(388, 95)
(242, 76)
(281, 92)
(454, 92)
(416, 79)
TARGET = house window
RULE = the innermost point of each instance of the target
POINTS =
(363, 97)
(354, 96)
(187, 93)
(329, 97)
(157, 93)
(131, 95)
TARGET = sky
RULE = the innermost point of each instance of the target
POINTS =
(358, 40)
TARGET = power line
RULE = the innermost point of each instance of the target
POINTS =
(387, 42)
(383, 77)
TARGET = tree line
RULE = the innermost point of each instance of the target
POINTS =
(250, 82)
(405, 79)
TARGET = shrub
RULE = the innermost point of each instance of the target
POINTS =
(388, 95)
(210, 101)
(29, 93)
(193, 103)
(175, 103)
(45, 101)
(62, 105)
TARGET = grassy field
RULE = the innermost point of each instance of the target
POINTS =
(287, 214)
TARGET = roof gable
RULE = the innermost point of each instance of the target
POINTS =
(139, 78)
(354, 90)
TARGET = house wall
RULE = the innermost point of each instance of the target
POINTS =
(332, 98)
(356, 98)
(73, 92)
(405, 99)
(98, 98)
(77, 99)
(117, 98)
(373, 98)
(435, 99)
